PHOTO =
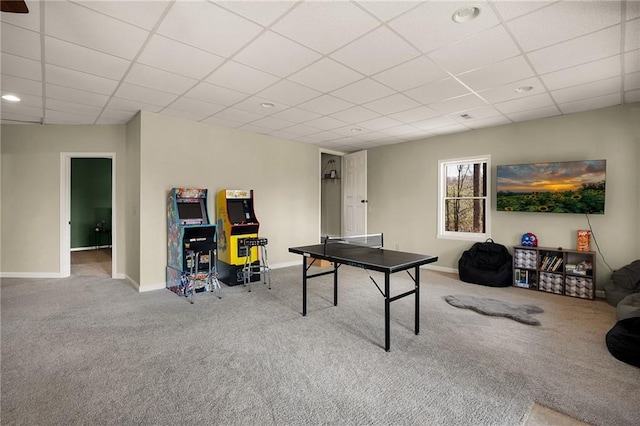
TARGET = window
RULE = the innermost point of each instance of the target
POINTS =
(464, 201)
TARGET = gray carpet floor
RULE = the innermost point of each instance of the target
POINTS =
(92, 350)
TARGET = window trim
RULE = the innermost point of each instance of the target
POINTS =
(464, 236)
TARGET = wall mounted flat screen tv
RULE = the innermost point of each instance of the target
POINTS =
(554, 187)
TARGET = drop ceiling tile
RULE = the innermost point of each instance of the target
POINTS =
(498, 74)
(364, 54)
(272, 123)
(153, 78)
(632, 35)
(563, 21)
(133, 106)
(401, 130)
(295, 115)
(22, 113)
(362, 91)
(324, 136)
(584, 73)
(588, 90)
(77, 96)
(352, 131)
(301, 130)
(20, 42)
(409, 75)
(144, 14)
(326, 104)
(527, 103)
(144, 95)
(437, 91)
(434, 123)
(79, 80)
(632, 81)
(61, 117)
(326, 75)
(237, 116)
(277, 55)
(512, 9)
(25, 101)
(289, 93)
(487, 122)
(260, 12)
(195, 107)
(72, 107)
(254, 104)
(632, 61)
(420, 113)
(447, 130)
(92, 29)
(380, 123)
(392, 104)
(591, 104)
(386, 10)
(242, 78)
(355, 114)
(21, 86)
(173, 56)
(475, 114)
(283, 134)
(633, 10)
(486, 47)
(18, 66)
(215, 94)
(79, 58)
(215, 121)
(30, 21)
(508, 91)
(461, 103)
(325, 123)
(430, 26)
(210, 27)
(589, 48)
(115, 116)
(325, 26)
(632, 96)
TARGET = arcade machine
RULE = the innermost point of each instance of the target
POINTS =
(238, 244)
(191, 244)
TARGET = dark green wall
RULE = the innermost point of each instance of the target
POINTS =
(90, 200)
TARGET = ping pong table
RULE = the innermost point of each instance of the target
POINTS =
(360, 252)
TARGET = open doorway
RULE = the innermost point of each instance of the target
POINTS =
(88, 203)
(330, 194)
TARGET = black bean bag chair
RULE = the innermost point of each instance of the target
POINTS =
(487, 264)
(624, 281)
(623, 341)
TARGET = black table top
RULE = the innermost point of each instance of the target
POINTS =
(376, 259)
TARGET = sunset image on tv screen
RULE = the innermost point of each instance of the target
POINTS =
(554, 187)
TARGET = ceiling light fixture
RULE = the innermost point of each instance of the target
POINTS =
(523, 89)
(267, 105)
(356, 129)
(465, 14)
(11, 98)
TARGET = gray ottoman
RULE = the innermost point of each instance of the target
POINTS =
(629, 307)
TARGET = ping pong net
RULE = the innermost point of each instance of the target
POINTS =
(370, 240)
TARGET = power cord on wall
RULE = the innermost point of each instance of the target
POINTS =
(597, 246)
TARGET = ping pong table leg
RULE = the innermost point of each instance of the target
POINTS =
(417, 296)
(335, 284)
(387, 320)
(304, 286)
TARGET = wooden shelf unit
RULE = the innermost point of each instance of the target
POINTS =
(555, 270)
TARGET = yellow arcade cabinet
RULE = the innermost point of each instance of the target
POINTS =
(236, 221)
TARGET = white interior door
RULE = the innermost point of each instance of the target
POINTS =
(354, 221)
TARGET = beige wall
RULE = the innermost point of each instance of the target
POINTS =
(132, 196)
(31, 192)
(180, 153)
(403, 191)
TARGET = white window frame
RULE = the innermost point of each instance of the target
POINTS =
(442, 180)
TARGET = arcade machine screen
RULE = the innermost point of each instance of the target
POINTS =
(191, 213)
(237, 213)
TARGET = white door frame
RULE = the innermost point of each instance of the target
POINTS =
(65, 208)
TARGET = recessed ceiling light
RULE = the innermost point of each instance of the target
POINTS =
(356, 129)
(523, 89)
(465, 14)
(11, 98)
(267, 105)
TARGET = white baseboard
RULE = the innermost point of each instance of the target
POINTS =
(441, 269)
(30, 275)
